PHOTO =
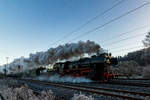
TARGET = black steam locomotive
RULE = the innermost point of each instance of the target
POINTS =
(95, 68)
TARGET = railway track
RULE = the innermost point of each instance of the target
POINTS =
(116, 93)
(131, 79)
(128, 83)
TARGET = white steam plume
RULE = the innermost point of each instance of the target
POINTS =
(21, 64)
(64, 52)
(52, 55)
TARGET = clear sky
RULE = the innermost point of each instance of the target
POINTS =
(28, 26)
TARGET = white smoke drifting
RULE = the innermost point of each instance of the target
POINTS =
(57, 78)
(21, 64)
(64, 52)
(52, 55)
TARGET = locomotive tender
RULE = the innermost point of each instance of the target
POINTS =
(95, 68)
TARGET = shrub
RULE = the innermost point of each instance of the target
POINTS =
(129, 68)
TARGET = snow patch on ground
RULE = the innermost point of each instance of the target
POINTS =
(81, 97)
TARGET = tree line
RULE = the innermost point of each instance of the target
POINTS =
(142, 57)
(135, 63)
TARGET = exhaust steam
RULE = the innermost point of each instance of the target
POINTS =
(52, 55)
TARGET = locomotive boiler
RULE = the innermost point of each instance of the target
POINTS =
(95, 68)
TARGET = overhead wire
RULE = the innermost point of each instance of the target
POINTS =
(115, 19)
(131, 37)
(127, 48)
(124, 33)
(121, 46)
(89, 21)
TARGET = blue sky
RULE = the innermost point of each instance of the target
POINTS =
(28, 26)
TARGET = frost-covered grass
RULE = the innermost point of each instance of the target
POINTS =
(24, 93)
(81, 97)
(9, 91)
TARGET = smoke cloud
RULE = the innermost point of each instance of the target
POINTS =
(52, 55)
(64, 52)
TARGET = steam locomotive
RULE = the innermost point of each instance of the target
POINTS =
(95, 68)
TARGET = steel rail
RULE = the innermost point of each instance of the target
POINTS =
(85, 89)
(138, 84)
(132, 79)
(112, 90)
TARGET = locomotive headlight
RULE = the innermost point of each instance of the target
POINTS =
(108, 61)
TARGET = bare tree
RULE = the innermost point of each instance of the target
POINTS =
(146, 71)
(129, 68)
(146, 42)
